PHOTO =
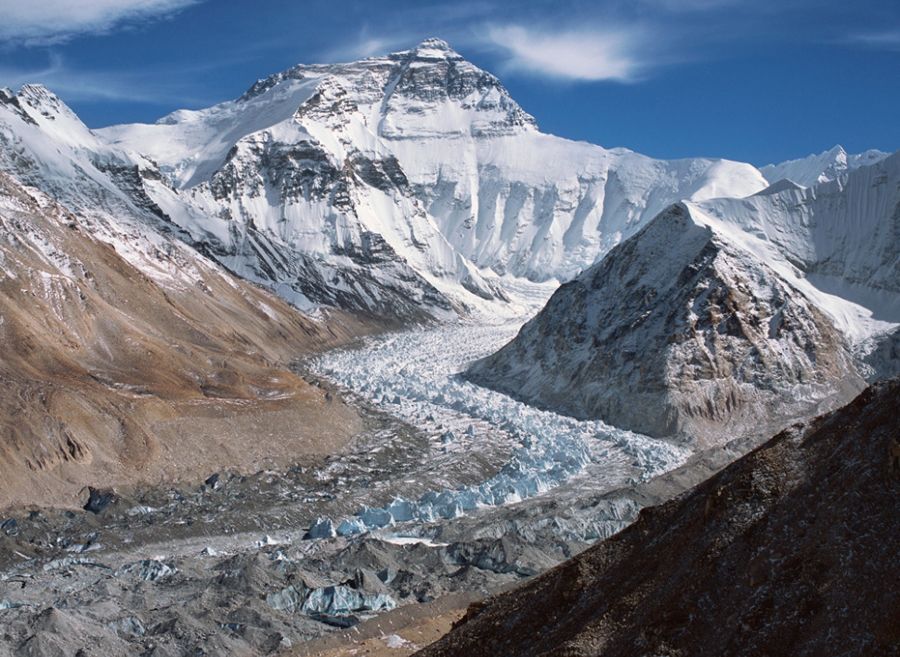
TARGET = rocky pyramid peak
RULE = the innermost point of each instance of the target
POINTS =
(40, 98)
(715, 331)
(434, 48)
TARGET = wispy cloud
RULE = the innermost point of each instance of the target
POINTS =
(367, 46)
(158, 87)
(591, 54)
(54, 21)
(885, 40)
(678, 6)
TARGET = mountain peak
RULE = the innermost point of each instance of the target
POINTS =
(838, 156)
(37, 95)
(821, 167)
(36, 104)
(435, 48)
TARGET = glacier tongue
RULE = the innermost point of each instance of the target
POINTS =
(414, 376)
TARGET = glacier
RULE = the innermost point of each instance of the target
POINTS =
(414, 375)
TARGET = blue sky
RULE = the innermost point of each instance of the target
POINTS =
(758, 81)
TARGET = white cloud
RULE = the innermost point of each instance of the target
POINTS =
(365, 46)
(597, 54)
(889, 40)
(50, 21)
(73, 85)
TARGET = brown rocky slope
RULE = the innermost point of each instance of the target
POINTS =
(791, 550)
(109, 376)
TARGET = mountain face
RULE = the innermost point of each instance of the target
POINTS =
(128, 356)
(824, 167)
(726, 318)
(677, 332)
(402, 184)
(405, 186)
(783, 552)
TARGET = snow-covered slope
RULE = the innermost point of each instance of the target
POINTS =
(415, 172)
(838, 240)
(405, 186)
(815, 169)
(45, 146)
(726, 317)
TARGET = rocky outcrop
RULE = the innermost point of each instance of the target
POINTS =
(786, 551)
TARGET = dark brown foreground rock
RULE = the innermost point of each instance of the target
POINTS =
(791, 550)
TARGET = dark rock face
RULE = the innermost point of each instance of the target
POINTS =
(788, 551)
(7, 97)
(433, 72)
(130, 179)
(676, 332)
(99, 499)
(299, 171)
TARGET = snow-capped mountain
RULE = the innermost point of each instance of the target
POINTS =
(128, 354)
(43, 145)
(723, 318)
(405, 186)
(815, 169)
(403, 182)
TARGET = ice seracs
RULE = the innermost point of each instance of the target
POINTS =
(756, 542)
(413, 375)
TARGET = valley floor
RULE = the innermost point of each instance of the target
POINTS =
(450, 490)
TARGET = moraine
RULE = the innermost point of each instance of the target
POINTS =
(452, 490)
